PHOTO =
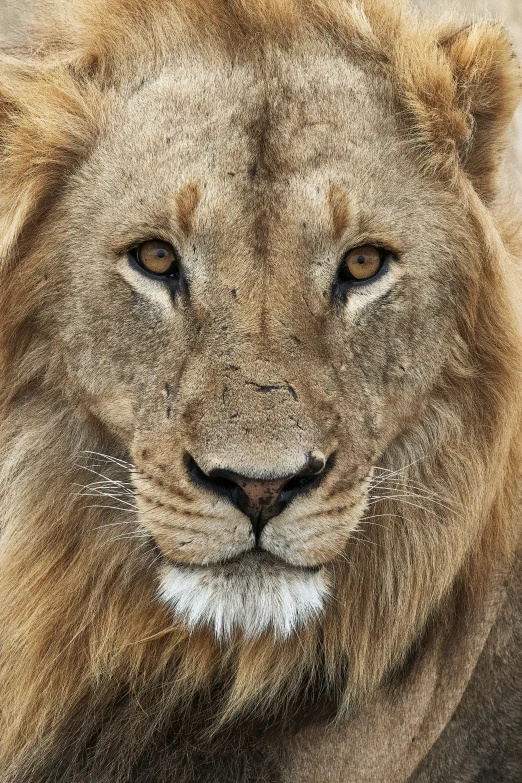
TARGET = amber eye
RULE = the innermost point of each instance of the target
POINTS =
(362, 263)
(157, 257)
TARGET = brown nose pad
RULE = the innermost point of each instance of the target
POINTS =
(260, 499)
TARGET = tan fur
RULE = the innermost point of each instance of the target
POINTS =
(87, 370)
(340, 206)
(186, 203)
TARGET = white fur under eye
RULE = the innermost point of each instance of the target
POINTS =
(361, 296)
(251, 598)
(154, 290)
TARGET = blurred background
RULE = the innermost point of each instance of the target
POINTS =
(508, 11)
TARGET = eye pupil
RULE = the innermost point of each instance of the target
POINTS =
(361, 263)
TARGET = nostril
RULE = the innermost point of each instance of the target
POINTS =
(316, 463)
(216, 481)
(307, 479)
(297, 484)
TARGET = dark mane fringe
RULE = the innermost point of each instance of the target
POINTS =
(88, 660)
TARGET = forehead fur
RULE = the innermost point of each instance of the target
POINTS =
(430, 67)
(453, 88)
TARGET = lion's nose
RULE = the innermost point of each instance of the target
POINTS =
(260, 499)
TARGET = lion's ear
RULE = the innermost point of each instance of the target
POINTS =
(488, 89)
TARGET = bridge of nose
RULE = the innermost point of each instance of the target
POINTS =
(251, 427)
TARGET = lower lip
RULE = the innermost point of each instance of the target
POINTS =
(305, 569)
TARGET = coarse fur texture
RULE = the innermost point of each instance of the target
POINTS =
(263, 140)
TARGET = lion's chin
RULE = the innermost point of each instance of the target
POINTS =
(251, 595)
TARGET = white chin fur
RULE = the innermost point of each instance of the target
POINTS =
(247, 596)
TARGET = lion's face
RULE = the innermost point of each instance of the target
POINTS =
(257, 274)
(256, 387)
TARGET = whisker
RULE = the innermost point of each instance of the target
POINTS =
(133, 535)
(109, 458)
(345, 557)
(404, 481)
(364, 541)
(96, 473)
(158, 557)
(106, 495)
(418, 491)
(399, 496)
(113, 508)
(367, 520)
(115, 524)
(376, 516)
(105, 483)
(374, 501)
(401, 469)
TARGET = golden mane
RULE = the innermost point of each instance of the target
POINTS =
(82, 634)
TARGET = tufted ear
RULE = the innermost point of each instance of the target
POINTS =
(488, 89)
(47, 123)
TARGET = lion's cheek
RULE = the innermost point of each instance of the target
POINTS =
(204, 534)
(307, 535)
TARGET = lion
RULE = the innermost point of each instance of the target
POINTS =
(261, 409)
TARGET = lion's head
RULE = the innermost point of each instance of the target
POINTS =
(257, 285)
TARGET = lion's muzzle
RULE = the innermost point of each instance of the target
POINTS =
(261, 498)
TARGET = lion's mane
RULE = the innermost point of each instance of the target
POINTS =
(89, 660)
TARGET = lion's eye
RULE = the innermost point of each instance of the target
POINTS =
(361, 263)
(158, 258)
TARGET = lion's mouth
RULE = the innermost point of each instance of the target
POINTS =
(264, 558)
